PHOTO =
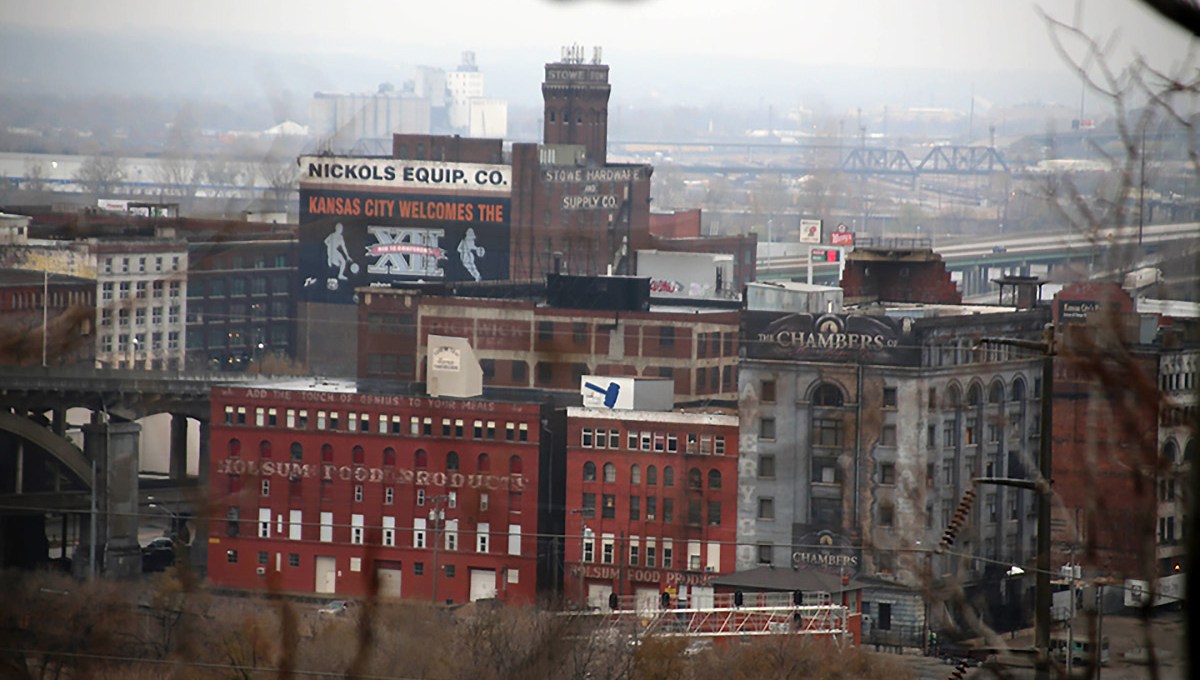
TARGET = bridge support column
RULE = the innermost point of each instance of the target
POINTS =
(179, 441)
(113, 450)
(58, 421)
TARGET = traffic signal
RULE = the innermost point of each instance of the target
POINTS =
(665, 600)
(797, 598)
(738, 598)
(612, 601)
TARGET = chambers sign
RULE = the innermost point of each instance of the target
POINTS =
(828, 552)
(830, 337)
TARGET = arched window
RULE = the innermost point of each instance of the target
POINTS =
(297, 451)
(635, 474)
(420, 459)
(264, 449)
(515, 465)
(651, 475)
(235, 448)
(1018, 390)
(610, 473)
(668, 476)
(589, 471)
(389, 456)
(827, 394)
(1170, 452)
(452, 461)
(484, 463)
(974, 395)
(714, 479)
(996, 393)
(326, 453)
(953, 396)
(360, 456)
(695, 479)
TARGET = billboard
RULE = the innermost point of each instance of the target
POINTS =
(371, 222)
(810, 231)
(830, 337)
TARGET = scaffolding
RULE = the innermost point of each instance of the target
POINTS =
(720, 615)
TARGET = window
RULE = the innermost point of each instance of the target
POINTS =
(266, 487)
(766, 466)
(545, 330)
(765, 553)
(886, 514)
(884, 620)
(589, 471)
(586, 438)
(635, 508)
(452, 460)
(651, 507)
(827, 432)
(231, 556)
(766, 428)
(610, 473)
(651, 475)
(668, 553)
(419, 527)
(714, 513)
(887, 436)
(589, 546)
(887, 473)
(650, 553)
(264, 522)
(589, 505)
(666, 336)
(672, 443)
(418, 568)
(389, 495)
(481, 537)
(609, 509)
(635, 474)
(631, 440)
(614, 439)
(889, 397)
(766, 508)
(356, 529)
(668, 507)
(358, 493)
(608, 549)
(449, 571)
(768, 391)
(634, 557)
(668, 476)
(695, 479)
(714, 479)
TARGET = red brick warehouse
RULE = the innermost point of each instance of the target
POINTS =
(320, 486)
(651, 504)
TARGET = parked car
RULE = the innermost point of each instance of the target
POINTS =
(158, 554)
(335, 608)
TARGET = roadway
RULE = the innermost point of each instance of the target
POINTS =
(1010, 251)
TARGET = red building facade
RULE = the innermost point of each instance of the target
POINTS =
(323, 488)
(651, 501)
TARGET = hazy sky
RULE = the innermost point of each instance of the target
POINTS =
(956, 34)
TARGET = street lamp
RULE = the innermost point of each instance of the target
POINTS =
(1042, 598)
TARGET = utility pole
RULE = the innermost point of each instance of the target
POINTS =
(437, 517)
(1042, 595)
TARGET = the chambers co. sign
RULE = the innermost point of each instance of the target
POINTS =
(829, 552)
(829, 335)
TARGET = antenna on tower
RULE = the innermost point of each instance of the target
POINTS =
(596, 53)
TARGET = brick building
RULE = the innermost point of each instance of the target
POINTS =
(449, 209)
(320, 486)
(651, 504)
(1123, 385)
(525, 343)
(241, 299)
(48, 317)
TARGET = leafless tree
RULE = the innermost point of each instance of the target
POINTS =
(100, 175)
